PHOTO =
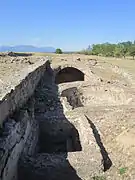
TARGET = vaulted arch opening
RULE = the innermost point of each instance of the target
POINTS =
(69, 74)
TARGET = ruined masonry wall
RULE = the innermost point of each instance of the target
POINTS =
(17, 97)
(19, 133)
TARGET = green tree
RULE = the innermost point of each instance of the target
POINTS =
(105, 49)
(121, 49)
(124, 51)
(58, 51)
(132, 51)
(117, 52)
(124, 47)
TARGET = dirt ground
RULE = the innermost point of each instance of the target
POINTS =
(109, 103)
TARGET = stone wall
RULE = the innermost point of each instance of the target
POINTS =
(17, 97)
(19, 135)
(19, 132)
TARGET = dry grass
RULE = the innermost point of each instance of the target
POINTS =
(127, 63)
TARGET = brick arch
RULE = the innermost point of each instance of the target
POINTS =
(69, 74)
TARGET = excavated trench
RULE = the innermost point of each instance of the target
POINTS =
(63, 144)
(57, 136)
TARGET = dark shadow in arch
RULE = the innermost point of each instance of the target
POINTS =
(69, 74)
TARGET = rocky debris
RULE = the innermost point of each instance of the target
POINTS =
(42, 58)
(11, 53)
(92, 62)
(18, 60)
(22, 60)
(100, 80)
(14, 55)
(2, 54)
(63, 59)
(14, 60)
(78, 59)
(27, 61)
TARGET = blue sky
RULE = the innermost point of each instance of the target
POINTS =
(70, 25)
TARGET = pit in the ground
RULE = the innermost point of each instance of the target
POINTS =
(73, 97)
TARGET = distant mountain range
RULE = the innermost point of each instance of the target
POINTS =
(26, 48)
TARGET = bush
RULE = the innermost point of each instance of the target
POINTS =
(58, 51)
(121, 49)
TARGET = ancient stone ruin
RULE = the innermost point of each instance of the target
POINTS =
(49, 129)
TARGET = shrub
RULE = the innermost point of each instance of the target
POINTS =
(58, 51)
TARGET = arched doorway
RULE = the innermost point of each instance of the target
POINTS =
(69, 74)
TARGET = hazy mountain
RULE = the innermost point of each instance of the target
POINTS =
(26, 48)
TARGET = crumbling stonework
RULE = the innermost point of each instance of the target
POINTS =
(17, 97)
(20, 133)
